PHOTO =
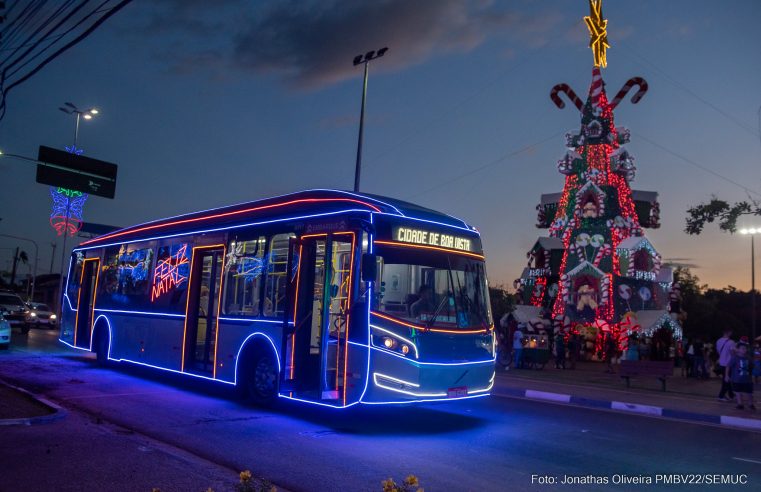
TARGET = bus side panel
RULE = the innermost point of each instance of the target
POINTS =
(232, 335)
(156, 341)
(356, 372)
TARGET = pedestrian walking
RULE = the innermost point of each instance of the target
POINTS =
(573, 350)
(632, 347)
(738, 373)
(698, 360)
(611, 350)
(756, 362)
(688, 368)
(725, 349)
(559, 351)
(518, 346)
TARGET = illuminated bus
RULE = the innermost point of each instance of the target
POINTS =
(322, 296)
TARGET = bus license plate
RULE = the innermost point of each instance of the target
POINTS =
(457, 392)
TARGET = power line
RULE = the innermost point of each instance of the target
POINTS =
(478, 92)
(697, 165)
(489, 164)
(679, 85)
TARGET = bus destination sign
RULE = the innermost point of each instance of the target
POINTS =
(431, 238)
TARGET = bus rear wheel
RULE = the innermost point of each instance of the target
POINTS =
(261, 378)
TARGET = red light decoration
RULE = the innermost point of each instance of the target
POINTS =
(167, 275)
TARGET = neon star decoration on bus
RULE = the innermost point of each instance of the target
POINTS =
(170, 273)
(598, 33)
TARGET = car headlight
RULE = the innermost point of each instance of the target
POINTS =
(32, 315)
(53, 316)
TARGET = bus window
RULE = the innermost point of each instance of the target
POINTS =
(126, 276)
(72, 289)
(169, 285)
(275, 302)
(243, 274)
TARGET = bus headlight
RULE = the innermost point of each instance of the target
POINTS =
(393, 342)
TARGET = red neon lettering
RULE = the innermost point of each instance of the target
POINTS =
(167, 275)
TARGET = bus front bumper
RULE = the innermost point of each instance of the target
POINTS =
(394, 379)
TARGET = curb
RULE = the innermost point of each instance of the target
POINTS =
(59, 413)
(646, 410)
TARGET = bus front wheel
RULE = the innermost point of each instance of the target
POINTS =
(261, 378)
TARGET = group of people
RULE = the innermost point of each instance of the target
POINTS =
(738, 367)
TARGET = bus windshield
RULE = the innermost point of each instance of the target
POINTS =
(432, 289)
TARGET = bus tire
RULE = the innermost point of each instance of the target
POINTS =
(100, 345)
(260, 377)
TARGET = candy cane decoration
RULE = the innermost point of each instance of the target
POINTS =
(605, 250)
(638, 81)
(565, 89)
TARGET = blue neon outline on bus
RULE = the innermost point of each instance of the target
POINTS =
(204, 231)
(368, 346)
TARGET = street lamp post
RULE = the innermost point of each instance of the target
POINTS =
(36, 256)
(752, 232)
(363, 60)
(87, 114)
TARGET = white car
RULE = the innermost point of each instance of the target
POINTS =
(43, 316)
(5, 333)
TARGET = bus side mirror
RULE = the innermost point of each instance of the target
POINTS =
(369, 267)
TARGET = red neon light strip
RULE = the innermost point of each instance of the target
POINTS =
(229, 214)
(219, 304)
(425, 328)
(348, 315)
(187, 305)
(434, 248)
(295, 311)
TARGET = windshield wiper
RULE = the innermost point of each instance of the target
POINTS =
(436, 313)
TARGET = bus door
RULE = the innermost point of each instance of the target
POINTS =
(203, 309)
(86, 302)
(316, 367)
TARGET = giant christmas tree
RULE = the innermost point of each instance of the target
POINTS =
(597, 273)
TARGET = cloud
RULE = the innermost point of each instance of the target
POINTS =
(311, 43)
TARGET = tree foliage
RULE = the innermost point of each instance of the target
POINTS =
(716, 209)
(502, 302)
(710, 311)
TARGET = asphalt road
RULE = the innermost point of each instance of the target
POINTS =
(488, 444)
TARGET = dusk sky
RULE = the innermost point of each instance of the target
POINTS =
(206, 104)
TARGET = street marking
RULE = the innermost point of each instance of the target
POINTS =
(109, 395)
(543, 395)
(636, 408)
(741, 422)
(748, 460)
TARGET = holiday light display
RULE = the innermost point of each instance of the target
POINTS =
(66, 217)
(597, 273)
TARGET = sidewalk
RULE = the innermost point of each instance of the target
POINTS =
(19, 407)
(588, 385)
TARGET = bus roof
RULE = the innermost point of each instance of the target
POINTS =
(302, 204)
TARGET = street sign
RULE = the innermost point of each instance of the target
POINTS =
(76, 172)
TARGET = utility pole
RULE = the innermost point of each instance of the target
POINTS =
(52, 256)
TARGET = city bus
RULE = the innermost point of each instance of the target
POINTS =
(322, 296)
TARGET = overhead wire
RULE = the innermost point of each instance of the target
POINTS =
(748, 128)
(37, 46)
(697, 165)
